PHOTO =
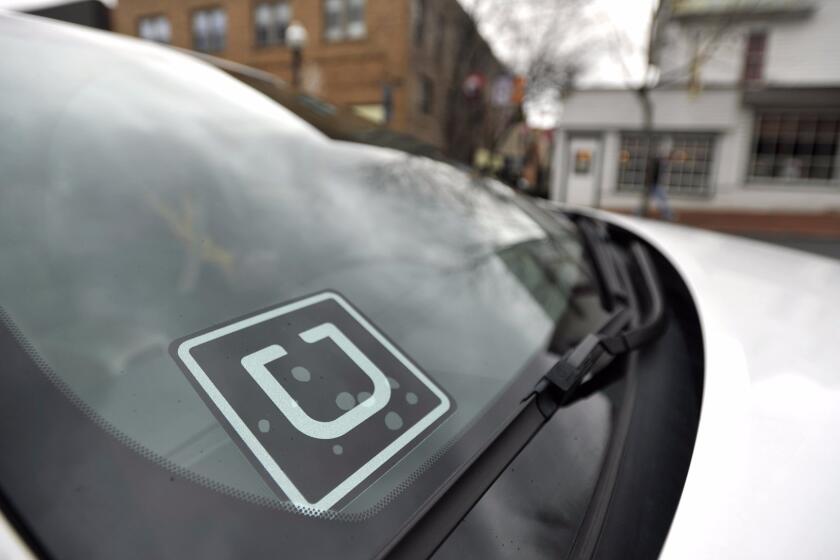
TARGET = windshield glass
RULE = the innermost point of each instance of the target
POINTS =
(148, 200)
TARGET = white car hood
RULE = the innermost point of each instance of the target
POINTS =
(764, 480)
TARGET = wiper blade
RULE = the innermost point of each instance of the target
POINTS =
(596, 350)
(606, 276)
(622, 332)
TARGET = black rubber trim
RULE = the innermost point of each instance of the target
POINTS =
(26, 535)
(451, 504)
(610, 289)
(643, 476)
(432, 529)
(589, 533)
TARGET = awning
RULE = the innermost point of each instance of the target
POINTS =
(794, 97)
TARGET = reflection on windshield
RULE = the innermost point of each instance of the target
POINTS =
(191, 214)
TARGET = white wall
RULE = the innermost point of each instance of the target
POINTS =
(724, 57)
(597, 109)
(718, 111)
(809, 52)
(800, 51)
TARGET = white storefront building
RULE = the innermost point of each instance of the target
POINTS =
(750, 101)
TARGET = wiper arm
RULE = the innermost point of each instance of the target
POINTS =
(623, 332)
(614, 338)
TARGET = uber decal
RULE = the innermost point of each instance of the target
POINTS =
(316, 397)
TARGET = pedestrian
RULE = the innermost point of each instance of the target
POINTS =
(657, 169)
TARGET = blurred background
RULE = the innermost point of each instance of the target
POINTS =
(722, 114)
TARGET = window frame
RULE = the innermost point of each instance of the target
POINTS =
(209, 10)
(706, 189)
(419, 12)
(755, 56)
(156, 16)
(758, 114)
(426, 95)
(344, 22)
(277, 40)
(440, 34)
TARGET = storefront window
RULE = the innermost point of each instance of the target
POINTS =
(795, 146)
(687, 167)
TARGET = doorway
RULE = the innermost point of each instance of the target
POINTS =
(583, 170)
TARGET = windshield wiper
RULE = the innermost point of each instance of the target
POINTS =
(616, 336)
(625, 330)
(611, 291)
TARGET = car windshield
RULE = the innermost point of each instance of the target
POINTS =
(147, 198)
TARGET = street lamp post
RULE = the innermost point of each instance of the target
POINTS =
(296, 37)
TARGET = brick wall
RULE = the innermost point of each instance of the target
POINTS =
(351, 72)
(449, 49)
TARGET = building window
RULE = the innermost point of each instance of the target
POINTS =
(344, 19)
(754, 58)
(687, 167)
(795, 146)
(209, 28)
(427, 95)
(419, 19)
(271, 19)
(374, 112)
(155, 28)
(441, 38)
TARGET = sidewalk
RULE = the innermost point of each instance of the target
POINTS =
(813, 225)
(825, 225)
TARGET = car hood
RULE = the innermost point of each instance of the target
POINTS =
(763, 477)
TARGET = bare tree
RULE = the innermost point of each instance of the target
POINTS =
(546, 41)
(709, 37)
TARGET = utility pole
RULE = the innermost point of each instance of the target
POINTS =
(296, 37)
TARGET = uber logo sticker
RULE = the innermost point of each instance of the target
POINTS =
(317, 398)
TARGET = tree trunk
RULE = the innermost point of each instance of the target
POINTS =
(643, 93)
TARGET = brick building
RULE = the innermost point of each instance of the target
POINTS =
(397, 61)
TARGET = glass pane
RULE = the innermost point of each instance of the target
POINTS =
(167, 231)
(145, 29)
(770, 127)
(284, 12)
(262, 23)
(164, 30)
(219, 22)
(827, 130)
(822, 168)
(333, 28)
(201, 22)
(763, 166)
(685, 168)
(283, 15)
(356, 26)
(219, 25)
(356, 30)
(262, 15)
(201, 30)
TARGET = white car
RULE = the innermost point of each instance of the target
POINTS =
(225, 335)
